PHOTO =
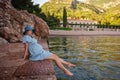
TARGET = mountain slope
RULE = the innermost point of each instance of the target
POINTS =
(104, 3)
(87, 6)
(73, 8)
(90, 10)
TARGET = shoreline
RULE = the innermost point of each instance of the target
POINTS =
(12, 69)
(83, 33)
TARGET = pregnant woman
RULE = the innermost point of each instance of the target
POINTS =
(35, 52)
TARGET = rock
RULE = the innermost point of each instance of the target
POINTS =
(35, 70)
(13, 69)
(3, 41)
(13, 22)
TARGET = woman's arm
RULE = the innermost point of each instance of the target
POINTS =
(26, 54)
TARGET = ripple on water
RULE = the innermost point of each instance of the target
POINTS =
(97, 58)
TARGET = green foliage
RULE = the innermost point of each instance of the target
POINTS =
(80, 10)
(34, 9)
(52, 20)
(52, 12)
(64, 17)
(26, 5)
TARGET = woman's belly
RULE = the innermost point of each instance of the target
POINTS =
(35, 49)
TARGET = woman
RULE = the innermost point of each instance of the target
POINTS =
(35, 52)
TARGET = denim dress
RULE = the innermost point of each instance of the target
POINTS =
(36, 51)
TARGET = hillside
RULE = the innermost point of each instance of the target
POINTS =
(99, 10)
(104, 3)
(87, 6)
(73, 7)
(114, 10)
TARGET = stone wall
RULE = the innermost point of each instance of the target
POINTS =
(12, 22)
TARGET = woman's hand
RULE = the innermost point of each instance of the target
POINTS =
(26, 56)
(21, 60)
(26, 52)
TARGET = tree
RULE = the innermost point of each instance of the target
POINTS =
(64, 17)
(35, 9)
(26, 5)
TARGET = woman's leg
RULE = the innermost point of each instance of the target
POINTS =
(67, 63)
(59, 64)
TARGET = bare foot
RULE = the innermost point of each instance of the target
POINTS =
(68, 73)
(70, 65)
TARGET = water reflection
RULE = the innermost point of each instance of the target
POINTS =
(96, 57)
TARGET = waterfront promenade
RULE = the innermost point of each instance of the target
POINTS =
(83, 33)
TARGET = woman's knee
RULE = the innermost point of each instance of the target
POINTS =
(55, 57)
(52, 57)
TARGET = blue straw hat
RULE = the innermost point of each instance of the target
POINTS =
(28, 28)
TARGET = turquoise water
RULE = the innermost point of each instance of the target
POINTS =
(96, 57)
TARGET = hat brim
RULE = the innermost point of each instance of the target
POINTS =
(33, 30)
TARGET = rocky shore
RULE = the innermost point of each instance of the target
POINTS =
(12, 69)
(12, 24)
